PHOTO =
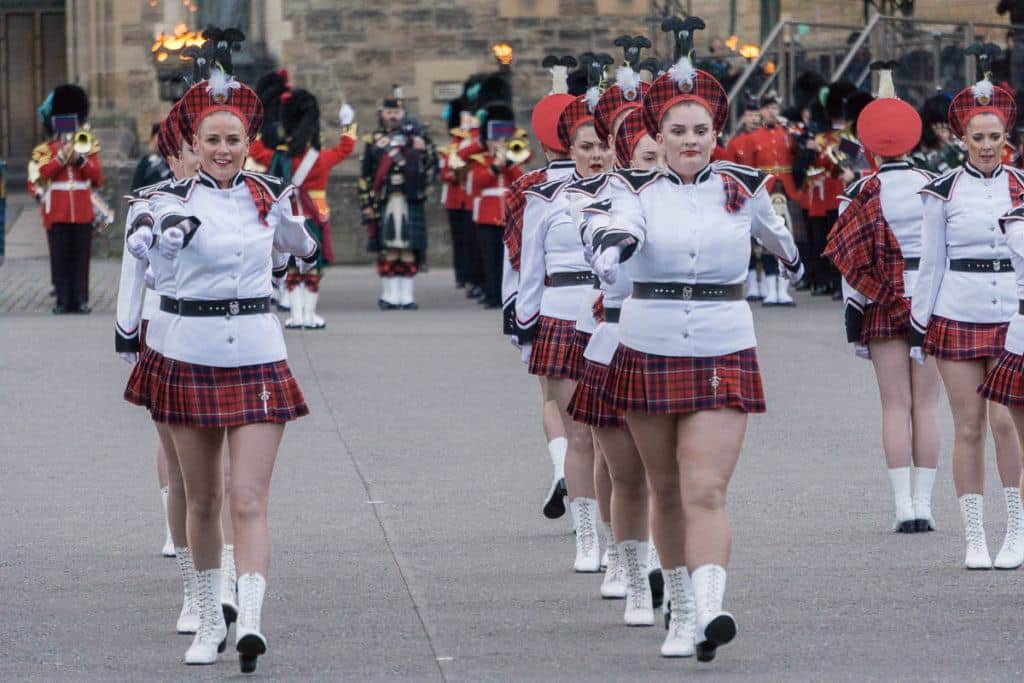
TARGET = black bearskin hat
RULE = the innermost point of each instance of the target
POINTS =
(836, 100)
(453, 113)
(935, 110)
(70, 99)
(497, 111)
(806, 89)
(271, 87)
(853, 106)
(300, 118)
(577, 82)
(495, 88)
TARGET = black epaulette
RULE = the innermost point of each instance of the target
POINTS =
(750, 178)
(274, 185)
(855, 187)
(546, 191)
(637, 179)
(1015, 215)
(143, 193)
(942, 187)
(604, 206)
(589, 186)
(181, 189)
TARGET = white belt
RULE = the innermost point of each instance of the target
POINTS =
(494, 192)
(71, 185)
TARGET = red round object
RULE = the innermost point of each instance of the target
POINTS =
(544, 120)
(889, 127)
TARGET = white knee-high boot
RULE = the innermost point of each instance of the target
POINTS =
(683, 618)
(249, 639)
(924, 481)
(899, 477)
(209, 639)
(973, 514)
(1011, 555)
(588, 546)
(228, 576)
(188, 617)
(639, 606)
(715, 627)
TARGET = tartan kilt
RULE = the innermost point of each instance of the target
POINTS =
(658, 385)
(1004, 383)
(878, 324)
(206, 396)
(955, 340)
(554, 349)
(145, 376)
(588, 404)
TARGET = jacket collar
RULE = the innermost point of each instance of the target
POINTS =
(901, 165)
(971, 169)
(207, 180)
(702, 176)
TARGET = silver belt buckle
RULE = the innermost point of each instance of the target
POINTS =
(687, 293)
(996, 265)
(233, 308)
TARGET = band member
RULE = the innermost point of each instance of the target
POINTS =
(300, 160)
(462, 126)
(963, 300)
(69, 169)
(398, 162)
(876, 244)
(226, 372)
(685, 373)
(544, 123)
(554, 279)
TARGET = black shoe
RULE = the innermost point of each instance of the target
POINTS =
(410, 307)
(720, 631)
(554, 506)
(249, 648)
(385, 306)
(922, 525)
(668, 614)
(84, 309)
(230, 614)
(908, 527)
(59, 310)
(657, 581)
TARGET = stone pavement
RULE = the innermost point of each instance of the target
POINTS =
(408, 539)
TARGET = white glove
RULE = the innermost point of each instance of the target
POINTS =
(524, 353)
(790, 275)
(606, 264)
(129, 357)
(346, 115)
(139, 242)
(171, 241)
(861, 351)
(917, 353)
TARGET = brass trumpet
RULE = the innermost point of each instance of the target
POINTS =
(519, 147)
(83, 141)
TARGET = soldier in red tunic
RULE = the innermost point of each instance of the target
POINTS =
(68, 170)
(462, 128)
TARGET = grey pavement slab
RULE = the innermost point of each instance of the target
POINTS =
(405, 513)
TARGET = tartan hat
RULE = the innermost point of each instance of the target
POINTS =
(629, 133)
(684, 83)
(220, 93)
(626, 93)
(983, 97)
(168, 140)
(577, 113)
(545, 117)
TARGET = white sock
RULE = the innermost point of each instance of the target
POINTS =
(557, 449)
(924, 481)
(900, 478)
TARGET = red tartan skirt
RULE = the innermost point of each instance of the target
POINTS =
(1004, 383)
(657, 385)
(878, 324)
(589, 405)
(954, 340)
(554, 353)
(183, 393)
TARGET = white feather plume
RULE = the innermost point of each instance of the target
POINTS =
(886, 86)
(592, 97)
(559, 79)
(683, 73)
(983, 91)
(219, 84)
(628, 82)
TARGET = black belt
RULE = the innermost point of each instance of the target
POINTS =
(611, 315)
(687, 292)
(570, 279)
(911, 264)
(980, 265)
(227, 307)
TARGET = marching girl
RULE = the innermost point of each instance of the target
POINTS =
(184, 163)
(629, 512)
(963, 300)
(876, 245)
(225, 371)
(554, 278)
(686, 373)
(544, 123)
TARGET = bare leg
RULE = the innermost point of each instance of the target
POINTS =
(708, 449)
(199, 454)
(969, 411)
(225, 510)
(892, 371)
(175, 488)
(553, 427)
(253, 453)
(628, 485)
(161, 465)
(925, 413)
(579, 460)
(602, 483)
(655, 437)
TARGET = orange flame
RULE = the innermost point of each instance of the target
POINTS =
(750, 51)
(502, 52)
(164, 43)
